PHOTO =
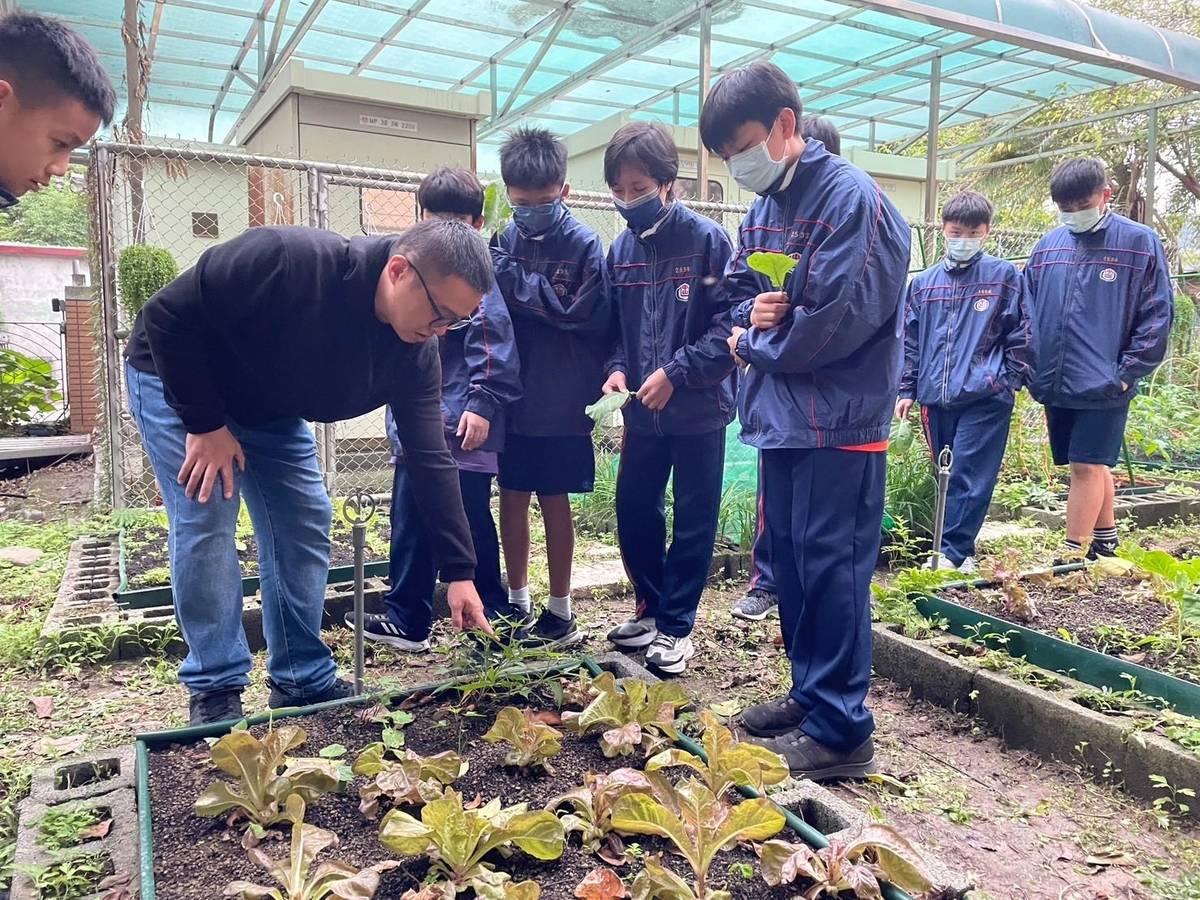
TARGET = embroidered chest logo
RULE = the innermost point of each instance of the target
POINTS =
(982, 300)
(683, 292)
(1108, 275)
(561, 275)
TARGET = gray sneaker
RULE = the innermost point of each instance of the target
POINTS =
(670, 654)
(756, 605)
(635, 633)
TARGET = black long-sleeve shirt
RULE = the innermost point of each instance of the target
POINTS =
(280, 323)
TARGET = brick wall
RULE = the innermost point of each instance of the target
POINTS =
(81, 359)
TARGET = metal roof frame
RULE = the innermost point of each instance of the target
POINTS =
(886, 88)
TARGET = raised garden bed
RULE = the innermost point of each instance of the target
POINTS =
(187, 856)
(1112, 632)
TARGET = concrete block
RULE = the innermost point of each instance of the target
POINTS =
(84, 776)
(624, 666)
(820, 808)
(927, 672)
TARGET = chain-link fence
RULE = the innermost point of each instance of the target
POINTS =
(186, 198)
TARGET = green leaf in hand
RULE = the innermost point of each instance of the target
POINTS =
(607, 405)
(776, 266)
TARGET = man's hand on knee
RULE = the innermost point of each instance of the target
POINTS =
(207, 457)
(466, 609)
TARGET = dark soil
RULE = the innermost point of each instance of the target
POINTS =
(196, 857)
(146, 551)
(1117, 616)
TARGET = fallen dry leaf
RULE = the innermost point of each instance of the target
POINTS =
(116, 880)
(548, 716)
(99, 830)
(474, 803)
(601, 884)
(43, 707)
(61, 746)
(1104, 858)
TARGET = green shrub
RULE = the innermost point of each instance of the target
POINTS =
(143, 270)
(27, 387)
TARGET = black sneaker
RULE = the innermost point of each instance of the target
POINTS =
(378, 627)
(812, 760)
(773, 718)
(555, 631)
(215, 706)
(280, 698)
(1099, 549)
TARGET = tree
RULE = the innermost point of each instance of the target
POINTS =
(53, 215)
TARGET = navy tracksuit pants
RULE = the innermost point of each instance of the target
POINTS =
(409, 601)
(977, 434)
(823, 511)
(668, 582)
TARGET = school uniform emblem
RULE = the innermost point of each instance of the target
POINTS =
(981, 304)
(683, 292)
(1108, 275)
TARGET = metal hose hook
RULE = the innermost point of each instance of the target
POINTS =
(358, 510)
(945, 461)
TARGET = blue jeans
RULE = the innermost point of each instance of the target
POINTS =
(668, 582)
(823, 511)
(409, 601)
(977, 434)
(291, 515)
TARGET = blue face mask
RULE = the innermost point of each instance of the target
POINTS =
(641, 212)
(963, 249)
(534, 221)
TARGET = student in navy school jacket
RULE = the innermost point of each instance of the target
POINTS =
(480, 377)
(824, 361)
(550, 269)
(966, 354)
(665, 274)
(761, 599)
(1101, 303)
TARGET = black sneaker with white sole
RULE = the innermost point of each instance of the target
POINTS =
(280, 698)
(634, 633)
(378, 627)
(555, 631)
(670, 654)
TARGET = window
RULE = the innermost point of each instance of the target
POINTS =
(685, 189)
(204, 225)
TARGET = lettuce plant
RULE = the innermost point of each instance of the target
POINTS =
(296, 875)
(636, 716)
(260, 790)
(458, 839)
(700, 826)
(408, 779)
(876, 854)
(592, 807)
(730, 762)
(533, 742)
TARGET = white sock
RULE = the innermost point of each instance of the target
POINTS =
(519, 598)
(561, 607)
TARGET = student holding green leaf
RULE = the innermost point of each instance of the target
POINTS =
(665, 273)
(824, 352)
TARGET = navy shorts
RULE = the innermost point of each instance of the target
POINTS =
(548, 465)
(1086, 435)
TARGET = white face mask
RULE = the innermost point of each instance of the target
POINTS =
(754, 169)
(1081, 220)
(962, 249)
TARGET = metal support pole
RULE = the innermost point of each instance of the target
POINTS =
(871, 135)
(105, 167)
(1151, 164)
(493, 86)
(705, 78)
(931, 149)
(358, 510)
(326, 434)
(944, 462)
(675, 107)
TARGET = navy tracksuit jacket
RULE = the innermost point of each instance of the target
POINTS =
(481, 373)
(966, 353)
(673, 314)
(1101, 306)
(826, 378)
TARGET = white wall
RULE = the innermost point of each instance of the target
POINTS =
(30, 277)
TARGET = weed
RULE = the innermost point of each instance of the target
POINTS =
(1173, 803)
(71, 878)
(64, 826)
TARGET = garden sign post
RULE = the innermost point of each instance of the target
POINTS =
(944, 461)
(358, 510)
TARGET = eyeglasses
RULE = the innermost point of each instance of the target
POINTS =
(440, 317)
